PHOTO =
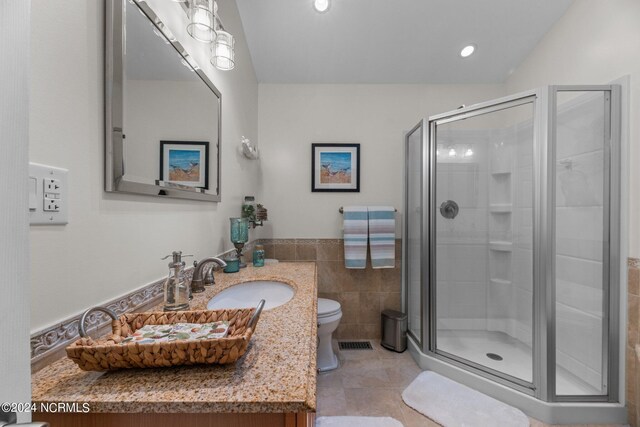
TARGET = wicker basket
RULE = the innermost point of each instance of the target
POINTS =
(109, 354)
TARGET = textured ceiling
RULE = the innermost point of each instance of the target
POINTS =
(399, 41)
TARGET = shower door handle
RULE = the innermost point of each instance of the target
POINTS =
(449, 209)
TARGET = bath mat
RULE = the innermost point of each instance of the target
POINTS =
(357, 422)
(455, 405)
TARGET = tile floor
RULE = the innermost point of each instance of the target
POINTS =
(370, 383)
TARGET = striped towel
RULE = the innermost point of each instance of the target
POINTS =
(355, 236)
(382, 236)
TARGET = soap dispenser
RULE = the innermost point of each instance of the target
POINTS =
(176, 287)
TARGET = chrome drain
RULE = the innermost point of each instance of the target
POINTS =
(494, 356)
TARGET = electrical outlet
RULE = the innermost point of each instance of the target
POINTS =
(48, 195)
(52, 204)
(52, 185)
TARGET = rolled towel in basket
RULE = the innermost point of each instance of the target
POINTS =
(178, 331)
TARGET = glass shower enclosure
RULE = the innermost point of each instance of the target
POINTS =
(511, 267)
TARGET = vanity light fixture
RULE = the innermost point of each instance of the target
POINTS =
(202, 20)
(321, 6)
(452, 152)
(467, 51)
(222, 52)
(205, 26)
(469, 152)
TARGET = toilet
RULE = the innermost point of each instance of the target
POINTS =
(329, 315)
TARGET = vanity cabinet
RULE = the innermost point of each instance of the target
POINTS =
(172, 420)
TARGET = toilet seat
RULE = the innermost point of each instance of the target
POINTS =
(327, 308)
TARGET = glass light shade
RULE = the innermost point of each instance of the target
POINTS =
(201, 20)
(467, 50)
(222, 51)
(239, 230)
(321, 5)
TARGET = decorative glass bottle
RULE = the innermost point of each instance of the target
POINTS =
(239, 235)
(258, 256)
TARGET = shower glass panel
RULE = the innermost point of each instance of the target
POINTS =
(483, 239)
(581, 241)
(413, 231)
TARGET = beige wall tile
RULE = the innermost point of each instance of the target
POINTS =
(633, 307)
(391, 300)
(362, 293)
(330, 250)
(631, 376)
(390, 279)
(353, 279)
(285, 251)
(306, 252)
(634, 280)
(348, 331)
(330, 277)
(330, 295)
(369, 307)
(370, 331)
(269, 251)
(373, 282)
(631, 411)
(350, 302)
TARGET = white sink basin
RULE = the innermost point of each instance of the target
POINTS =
(249, 294)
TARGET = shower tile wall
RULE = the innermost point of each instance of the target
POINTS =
(363, 294)
(462, 259)
(522, 326)
(579, 237)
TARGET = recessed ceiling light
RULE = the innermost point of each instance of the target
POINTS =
(321, 5)
(468, 50)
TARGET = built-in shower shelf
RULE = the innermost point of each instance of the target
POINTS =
(500, 173)
(500, 246)
(501, 282)
(500, 208)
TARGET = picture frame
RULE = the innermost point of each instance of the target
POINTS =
(335, 167)
(185, 163)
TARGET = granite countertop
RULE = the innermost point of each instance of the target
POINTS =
(276, 374)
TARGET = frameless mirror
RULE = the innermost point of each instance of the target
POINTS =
(162, 112)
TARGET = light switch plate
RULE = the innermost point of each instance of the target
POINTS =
(48, 195)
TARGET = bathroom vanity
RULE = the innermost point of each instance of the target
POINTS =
(273, 384)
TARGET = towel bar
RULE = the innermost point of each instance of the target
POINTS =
(341, 210)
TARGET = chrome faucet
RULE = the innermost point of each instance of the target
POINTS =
(198, 282)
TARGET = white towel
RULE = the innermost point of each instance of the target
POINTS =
(382, 236)
(355, 236)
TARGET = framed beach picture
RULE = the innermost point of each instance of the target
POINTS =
(335, 167)
(185, 163)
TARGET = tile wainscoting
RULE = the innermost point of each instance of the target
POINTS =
(363, 294)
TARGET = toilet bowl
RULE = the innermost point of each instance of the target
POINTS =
(329, 315)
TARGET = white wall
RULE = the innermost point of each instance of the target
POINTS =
(595, 42)
(377, 116)
(14, 223)
(113, 243)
